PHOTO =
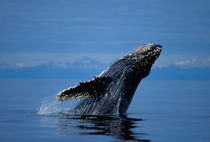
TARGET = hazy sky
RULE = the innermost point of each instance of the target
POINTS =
(34, 32)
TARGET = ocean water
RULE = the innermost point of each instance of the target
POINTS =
(161, 111)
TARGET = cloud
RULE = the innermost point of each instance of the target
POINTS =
(186, 62)
(194, 59)
(21, 65)
(181, 63)
(84, 63)
(194, 62)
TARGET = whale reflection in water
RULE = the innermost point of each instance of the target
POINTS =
(120, 127)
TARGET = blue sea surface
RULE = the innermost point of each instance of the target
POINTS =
(161, 111)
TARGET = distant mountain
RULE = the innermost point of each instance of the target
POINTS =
(174, 72)
(85, 68)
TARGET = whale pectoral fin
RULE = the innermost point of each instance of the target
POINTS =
(92, 88)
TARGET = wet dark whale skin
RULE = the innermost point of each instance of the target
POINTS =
(125, 74)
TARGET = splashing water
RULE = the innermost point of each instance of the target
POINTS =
(50, 105)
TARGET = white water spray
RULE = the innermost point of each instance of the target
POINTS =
(50, 105)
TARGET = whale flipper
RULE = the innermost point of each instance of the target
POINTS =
(92, 88)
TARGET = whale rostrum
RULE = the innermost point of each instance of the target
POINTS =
(112, 91)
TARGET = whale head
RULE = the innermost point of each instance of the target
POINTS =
(143, 58)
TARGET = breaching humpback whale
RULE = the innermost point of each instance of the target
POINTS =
(111, 92)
